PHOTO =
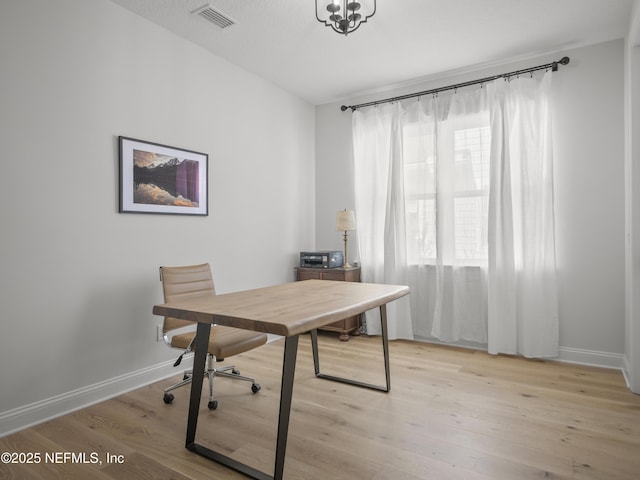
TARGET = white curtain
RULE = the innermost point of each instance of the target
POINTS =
(380, 212)
(523, 305)
(454, 197)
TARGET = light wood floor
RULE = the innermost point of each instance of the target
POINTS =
(451, 414)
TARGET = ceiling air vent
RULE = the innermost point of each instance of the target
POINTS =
(212, 15)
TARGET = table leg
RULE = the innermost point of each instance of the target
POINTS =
(286, 393)
(201, 345)
(385, 344)
(314, 350)
(385, 350)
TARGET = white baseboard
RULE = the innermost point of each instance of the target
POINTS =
(626, 369)
(566, 354)
(591, 357)
(28, 415)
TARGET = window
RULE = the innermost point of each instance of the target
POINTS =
(447, 191)
(471, 196)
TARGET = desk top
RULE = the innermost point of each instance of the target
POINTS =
(287, 309)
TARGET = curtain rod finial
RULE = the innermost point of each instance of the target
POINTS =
(562, 61)
(343, 107)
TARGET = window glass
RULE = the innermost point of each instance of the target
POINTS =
(447, 191)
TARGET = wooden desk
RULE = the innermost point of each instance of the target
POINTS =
(287, 310)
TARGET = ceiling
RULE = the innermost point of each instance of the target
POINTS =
(405, 42)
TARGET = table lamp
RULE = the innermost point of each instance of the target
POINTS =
(346, 222)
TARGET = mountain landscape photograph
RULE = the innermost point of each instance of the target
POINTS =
(165, 180)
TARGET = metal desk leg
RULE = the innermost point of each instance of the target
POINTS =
(201, 345)
(385, 344)
(385, 350)
(286, 393)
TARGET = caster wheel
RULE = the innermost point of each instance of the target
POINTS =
(235, 372)
(255, 388)
(213, 404)
(168, 398)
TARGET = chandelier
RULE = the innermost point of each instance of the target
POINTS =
(343, 16)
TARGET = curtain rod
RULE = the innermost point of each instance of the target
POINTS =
(553, 66)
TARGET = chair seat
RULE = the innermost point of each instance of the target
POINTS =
(224, 341)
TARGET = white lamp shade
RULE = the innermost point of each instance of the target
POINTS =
(346, 221)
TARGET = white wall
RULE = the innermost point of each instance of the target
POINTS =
(589, 162)
(632, 198)
(78, 278)
(334, 177)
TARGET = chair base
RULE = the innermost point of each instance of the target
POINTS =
(211, 373)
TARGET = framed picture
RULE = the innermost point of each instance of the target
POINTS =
(157, 178)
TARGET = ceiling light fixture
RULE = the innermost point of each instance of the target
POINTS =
(344, 16)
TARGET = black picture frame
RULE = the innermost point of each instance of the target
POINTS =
(156, 178)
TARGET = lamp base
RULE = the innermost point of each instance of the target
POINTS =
(346, 258)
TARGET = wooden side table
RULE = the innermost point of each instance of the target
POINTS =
(346, 326)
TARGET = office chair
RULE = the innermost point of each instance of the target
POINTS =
(196, 280)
